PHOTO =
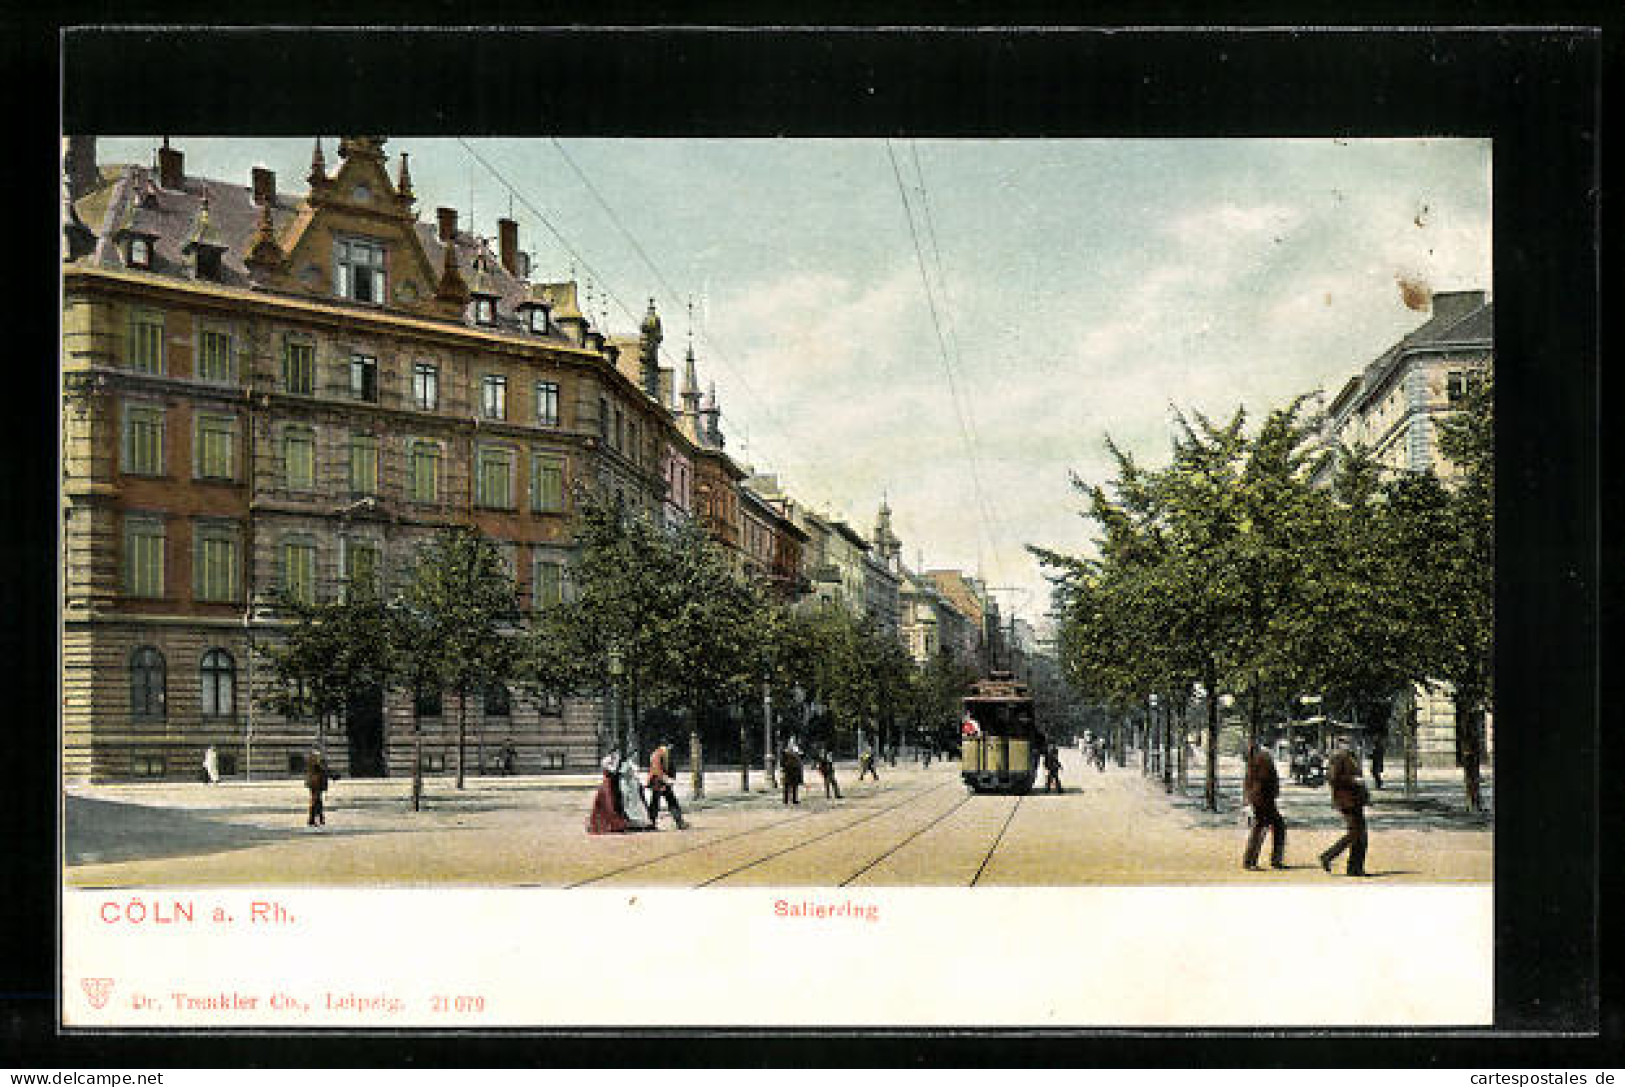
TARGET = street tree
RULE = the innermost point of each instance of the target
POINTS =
(1467, 650)
(329, 652)
(465, 620)
(709, 651)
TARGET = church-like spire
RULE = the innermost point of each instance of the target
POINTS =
(318, 166)
(403, 183)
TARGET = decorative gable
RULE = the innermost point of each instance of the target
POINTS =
(356, 238)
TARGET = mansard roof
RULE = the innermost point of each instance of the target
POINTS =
(131, 200)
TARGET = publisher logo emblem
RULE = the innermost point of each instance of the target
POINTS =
(98, 990)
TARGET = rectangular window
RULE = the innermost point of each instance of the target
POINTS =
(299, 570)
(603, 418)
(364, 378)
(360, 270)
(547, 403)
(299, 368)
(494, 479)
(547, 588)
(147, 343)
(216, 447)
(214, 356)
(620, 429)
(143, 440)
(299, 458)
(494, 396)
(360, 560)
(216, 563)
(425, 386)
(546, 484)
(423, 472)
(1456, 386)
(144, 558)
(363, 464)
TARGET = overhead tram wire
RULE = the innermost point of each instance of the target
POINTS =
(985, 518)
(665, 284)
(514, 192)
(1000, 521)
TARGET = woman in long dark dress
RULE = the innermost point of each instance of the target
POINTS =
(607, 815)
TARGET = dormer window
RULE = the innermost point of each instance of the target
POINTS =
(139, 254)
(208, 263)
(360, 267)
(485, 310)
(538, 320)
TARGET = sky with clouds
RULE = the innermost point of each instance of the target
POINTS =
(1080, 288)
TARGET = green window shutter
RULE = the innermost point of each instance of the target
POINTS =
(299, 459)
(147, 343)
(299, 368)
(546, 484)
(144, 560)
(214, 361)
(299, 570)
(363, 464)
(144, 440)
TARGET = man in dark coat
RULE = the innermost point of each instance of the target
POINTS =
(1376, 758)
(826, 769)
(660, 780)
(316, 782)
(1052, 769)
(1260, 788)
(790, 767)
(1349, 798)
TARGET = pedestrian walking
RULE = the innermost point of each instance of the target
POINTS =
(790, 764)
(660, 780)
(1052, 769)
(1099, 754)
(826, 770)
(510, 758)
(608, 814)
(1349, 797)
(866, 764)
(316, 782)
(1376, 759)
(211, 766)
(1260, 789)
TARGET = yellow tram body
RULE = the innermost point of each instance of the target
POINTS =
(1002, 754)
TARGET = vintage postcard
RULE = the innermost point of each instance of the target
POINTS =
(872, 581)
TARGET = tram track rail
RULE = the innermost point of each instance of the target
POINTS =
(709, 843)
(894, 849)
(994, 848)
(827, 834)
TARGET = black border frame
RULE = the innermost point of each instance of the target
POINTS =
(1536, 92)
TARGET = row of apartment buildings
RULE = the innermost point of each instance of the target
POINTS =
(266, 392)
(1392, 406)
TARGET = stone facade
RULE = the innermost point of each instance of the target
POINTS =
(263, 391)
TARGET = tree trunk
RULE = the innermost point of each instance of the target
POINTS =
(1168, 746)
(744, 752)
(696, 756)
(1467, 743)
(1210, 789)
(462, 732)
(1143, 733)
(417, 758)
(1411, 753)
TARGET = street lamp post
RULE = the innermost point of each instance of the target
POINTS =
(612, 704)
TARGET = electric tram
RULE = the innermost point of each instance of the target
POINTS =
(999, 741)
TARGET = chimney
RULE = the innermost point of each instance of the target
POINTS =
(448, 223)
(508, 245)
(80, 166)
(171, 166)
(264, 183)
(1452, 305)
